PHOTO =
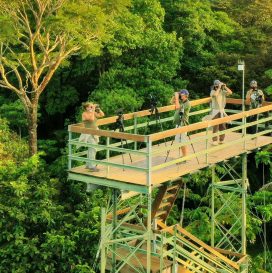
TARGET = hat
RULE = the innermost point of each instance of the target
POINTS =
(216, 82)
(253, 83)
(184, 92)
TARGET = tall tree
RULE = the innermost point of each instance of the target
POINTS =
(39, 35)
(142, 60)
(211, 47)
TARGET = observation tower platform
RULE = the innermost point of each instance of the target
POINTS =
(145, 173)
(145, 163)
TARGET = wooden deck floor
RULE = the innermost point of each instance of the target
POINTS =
(174, 171)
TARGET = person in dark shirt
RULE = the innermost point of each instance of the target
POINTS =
(181, 116)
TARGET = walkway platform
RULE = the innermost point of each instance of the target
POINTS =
(134, 162)
(216, 155)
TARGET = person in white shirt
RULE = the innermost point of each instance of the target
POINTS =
(219, 92)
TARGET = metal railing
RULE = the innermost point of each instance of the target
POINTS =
(185, 249)
(144, 148)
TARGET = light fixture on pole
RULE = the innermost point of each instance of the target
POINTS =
(241, 67)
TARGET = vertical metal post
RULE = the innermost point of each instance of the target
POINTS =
(207, 143)
(244, 108)
(103, 241)
(243, 87)
(213, 208)
(149, 204)
(244, 191)
(161, 252)
(69, 151)
(241, 66)
(233, 236)
(174, 267)
(244, 131)
(114, 224)
(108, 154)
(154, 245)
(135, 130)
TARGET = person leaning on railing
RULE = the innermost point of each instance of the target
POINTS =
(181, 116)
(89, 117)
(255, 99)
(219, 92)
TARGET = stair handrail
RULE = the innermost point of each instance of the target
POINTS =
(201, 243)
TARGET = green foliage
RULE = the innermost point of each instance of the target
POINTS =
(38, 232)
(209, 40)
(260, 264)
(263, 157)
(14, 112)
(268, 89)
(129, 49)
(261, 203)
(11, 147)
(47, 225)
(48, 148)
(147, 63)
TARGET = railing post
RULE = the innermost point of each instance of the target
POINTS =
(114, 224)
(149, 203)
(69, 150)
(135, 130)
(154, 245)
(161, 252)
(244, 188)
(244, 132)
(108, 155)
(213, 208)
(174, 267)
(149, 162)
(207, 144)
(103, 241)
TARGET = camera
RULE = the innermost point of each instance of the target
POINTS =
(222, 86)
(153, 101)
(153, 104)
(256, 97)
(119, 112)
(259, 99)
(119, 123)
(181, 113)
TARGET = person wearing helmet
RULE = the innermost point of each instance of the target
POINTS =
(254, 98)
(181, 116)
(219, 92)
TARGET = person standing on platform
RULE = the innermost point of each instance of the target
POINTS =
(181, 116)
(89, 117)
(254, 98)
(219, 92)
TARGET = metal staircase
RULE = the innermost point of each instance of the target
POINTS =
(174, 250)
(165, 200)
(190, 254)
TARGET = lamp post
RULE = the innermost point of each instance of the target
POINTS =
(241, 67)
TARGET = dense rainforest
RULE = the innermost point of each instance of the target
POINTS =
(115, 53)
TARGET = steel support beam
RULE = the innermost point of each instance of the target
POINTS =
(228, 207)
(107, 182)
(244, 192)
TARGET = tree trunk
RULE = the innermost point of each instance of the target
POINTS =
(32, 131)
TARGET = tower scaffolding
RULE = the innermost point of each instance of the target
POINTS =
(134, 233)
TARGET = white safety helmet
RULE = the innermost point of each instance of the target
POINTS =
(253, 84)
